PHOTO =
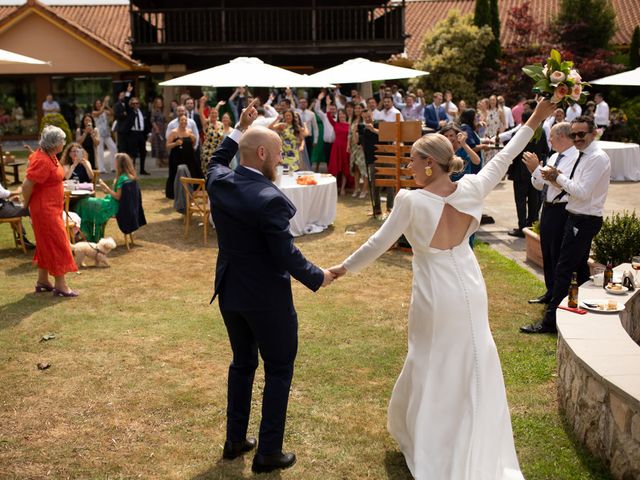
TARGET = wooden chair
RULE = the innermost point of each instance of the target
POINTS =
(69, 224)
(16, 226)
(96, 178)
(390, 168)
(197, 203)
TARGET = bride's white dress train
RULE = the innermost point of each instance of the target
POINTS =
(448, 411)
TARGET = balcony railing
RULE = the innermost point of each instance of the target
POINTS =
(291, 25)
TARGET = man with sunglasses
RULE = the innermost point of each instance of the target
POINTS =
(586, 187)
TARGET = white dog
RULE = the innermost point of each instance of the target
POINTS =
(97, 251)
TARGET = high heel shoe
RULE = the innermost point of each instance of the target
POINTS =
(43, 287)
(355, 193)
(60, 293)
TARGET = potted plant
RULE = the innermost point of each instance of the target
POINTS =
(618, 239)
(532, 243)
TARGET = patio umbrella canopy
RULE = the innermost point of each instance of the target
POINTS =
(360, 70)
(10, 58)
(243, 71)
(630, 78)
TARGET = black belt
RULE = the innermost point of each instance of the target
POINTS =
(554, 205)
(587, 217)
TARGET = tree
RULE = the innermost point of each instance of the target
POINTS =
(493, 51)
(583, 26)
(452, 52)
(634, 50)
(57, 120)
(482, 14)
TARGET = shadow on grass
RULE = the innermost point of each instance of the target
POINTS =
(225, 469)
(22, 268)
(12, 314)
(396, 466)
(591, 463)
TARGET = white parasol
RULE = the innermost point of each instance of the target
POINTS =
(629, 78)
(360, 70)
(10, 58)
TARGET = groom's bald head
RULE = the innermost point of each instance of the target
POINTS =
(261, 148)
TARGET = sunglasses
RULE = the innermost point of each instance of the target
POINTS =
(574, 135)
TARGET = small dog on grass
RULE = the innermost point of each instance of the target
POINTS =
(97, 251)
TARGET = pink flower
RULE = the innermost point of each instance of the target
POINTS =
(575, 76)
(557, 77)
(575, 92)
(560, 92)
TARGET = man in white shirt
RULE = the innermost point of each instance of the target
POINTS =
(449, 106)
(50, 105)
(554, 213)
(586, 187)
(602, 111)
(308, 118)
(508, 114)
(173, 124)
(8, 209)
(329, 134)
(573, 112)
(388, 112)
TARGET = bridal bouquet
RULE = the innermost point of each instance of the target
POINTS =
(557, 80)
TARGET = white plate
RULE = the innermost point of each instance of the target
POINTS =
(81, 192)
(622, 291)
(600, 301)
(304, 172)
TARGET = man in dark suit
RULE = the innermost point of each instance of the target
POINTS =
(435, 116)
(256, 258)
(120, 115)
(136, 126)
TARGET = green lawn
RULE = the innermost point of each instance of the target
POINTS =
(137, 384)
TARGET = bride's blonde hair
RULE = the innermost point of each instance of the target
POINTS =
(440, 149)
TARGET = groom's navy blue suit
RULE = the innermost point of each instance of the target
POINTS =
(256, 257)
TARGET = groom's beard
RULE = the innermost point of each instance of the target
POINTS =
(269, 169)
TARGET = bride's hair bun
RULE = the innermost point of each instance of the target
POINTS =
(456, 165)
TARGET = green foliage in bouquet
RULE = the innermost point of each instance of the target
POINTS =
(618, 239)
(557, 80)
(57, 120)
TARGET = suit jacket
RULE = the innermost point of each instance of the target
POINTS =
(256, 255)
(518, 171)
(129, 118)
(120, 115)
(198, 122)
(433, 117)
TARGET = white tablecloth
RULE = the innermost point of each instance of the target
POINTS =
(316, 204)
(625, 160)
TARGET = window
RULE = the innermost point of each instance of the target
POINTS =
(18, 106)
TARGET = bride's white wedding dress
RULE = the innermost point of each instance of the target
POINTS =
(448, 410)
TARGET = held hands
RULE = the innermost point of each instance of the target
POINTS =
(332, 274)
(338, 271)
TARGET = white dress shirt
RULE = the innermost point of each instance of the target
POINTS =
(450, 107)
(602, 114)
(590, 184)
(568, 160)
(138, 123)
(4, 193)
(573, 112)
(508, 117)
(173, 124)
(416, 112)
(310, 123)
(387, 115)
(329, 135)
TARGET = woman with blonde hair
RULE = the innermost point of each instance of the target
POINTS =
(95, 212)
(450, 392)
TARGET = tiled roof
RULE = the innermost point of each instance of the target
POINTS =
(421, 16)
(107, 25)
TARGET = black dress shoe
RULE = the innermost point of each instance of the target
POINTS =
(539, 328)
(541, 299)
(269, 463)
(235, 449)
(516, 232)
(144, 172)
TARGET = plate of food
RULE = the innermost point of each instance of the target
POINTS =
(602, 306)
(79, 193)
(616, 289)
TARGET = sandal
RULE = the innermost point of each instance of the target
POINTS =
(60, 293)
(43, 287)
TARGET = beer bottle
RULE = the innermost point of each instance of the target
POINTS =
(608, 274)
(573, 291)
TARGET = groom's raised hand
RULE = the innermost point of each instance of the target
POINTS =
(248, 115)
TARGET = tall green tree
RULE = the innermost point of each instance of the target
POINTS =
(452, 52)
(585, 25)
(494, 46)
(482, 14)
(634, 51)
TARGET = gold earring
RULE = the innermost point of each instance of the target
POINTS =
(427, 171)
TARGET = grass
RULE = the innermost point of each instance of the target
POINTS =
(137, 384)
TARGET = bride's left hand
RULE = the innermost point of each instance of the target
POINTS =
(338, 270)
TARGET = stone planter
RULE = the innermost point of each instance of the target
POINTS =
(533, 249)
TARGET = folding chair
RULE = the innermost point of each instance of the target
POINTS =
(197, 203)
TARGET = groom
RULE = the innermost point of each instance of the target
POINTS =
(255, 260)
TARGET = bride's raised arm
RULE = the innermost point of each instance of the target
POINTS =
(492, 172)
(382, 240)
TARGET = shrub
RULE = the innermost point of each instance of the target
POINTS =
(619, 238)
(57, 120)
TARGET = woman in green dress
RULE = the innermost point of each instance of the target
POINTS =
(317, 154)
(95, 212)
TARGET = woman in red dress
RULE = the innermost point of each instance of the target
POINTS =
(44, 195)
(339, 161)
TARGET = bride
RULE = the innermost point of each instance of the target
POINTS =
(448, 410)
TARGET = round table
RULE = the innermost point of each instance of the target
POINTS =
(625, 160)
(315, 204)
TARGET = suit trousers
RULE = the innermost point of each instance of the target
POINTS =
(308, 144)
(375, 191)
(137, 147)
(527, 202)
(552, 220)
(579, 231)
(274, 334)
